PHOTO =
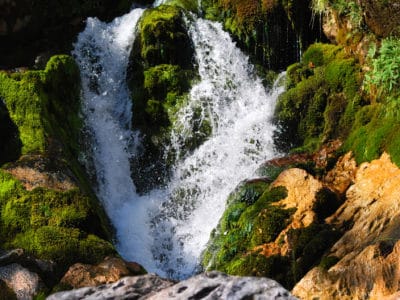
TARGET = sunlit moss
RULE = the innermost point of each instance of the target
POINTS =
(50, 224)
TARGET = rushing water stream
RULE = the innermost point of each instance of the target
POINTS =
(167, 229)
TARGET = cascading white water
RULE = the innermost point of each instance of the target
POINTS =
(102, 53)
(167, 229)
(235, 103)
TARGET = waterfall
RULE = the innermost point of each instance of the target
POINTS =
(167, 229)
(239, 110)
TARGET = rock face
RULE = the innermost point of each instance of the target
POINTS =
(382, 17)
(367, 255)
(213, 285)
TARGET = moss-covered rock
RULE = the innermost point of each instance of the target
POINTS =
(50, 220)
(249, 220)
(61, 226)
(160, 74)
(323, 93)
(44, 104)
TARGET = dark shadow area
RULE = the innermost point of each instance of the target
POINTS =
(10, 143)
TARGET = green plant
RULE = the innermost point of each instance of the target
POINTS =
(384, 77)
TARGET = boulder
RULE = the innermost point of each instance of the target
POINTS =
(108, 271)
(139, 287)
(212, 285)
(23, 282)
(216, 285)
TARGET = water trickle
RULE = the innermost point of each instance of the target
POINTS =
(167, 229)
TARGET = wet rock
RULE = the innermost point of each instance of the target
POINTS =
(23, 282)
(139, 287)
(108, 271)
(216, 285)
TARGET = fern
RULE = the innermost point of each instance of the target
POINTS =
(384, 77)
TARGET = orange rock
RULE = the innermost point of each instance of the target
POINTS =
(108, 271)
(369, 251)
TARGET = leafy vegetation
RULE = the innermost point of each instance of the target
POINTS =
(383, 79)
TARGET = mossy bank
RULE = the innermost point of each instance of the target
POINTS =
(52, 212)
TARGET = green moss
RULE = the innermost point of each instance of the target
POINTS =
(268, 225)
(326, 203)
(310, 244)
(38, 100)
(245, 224)
(322, 54)
(191, 5)
(321, 98)
(50, 224)
(160, 78)
(258, 265)
(375, 130)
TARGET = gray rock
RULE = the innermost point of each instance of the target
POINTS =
(139, 287)
(23, 282)
(212, 285)
(216, 285)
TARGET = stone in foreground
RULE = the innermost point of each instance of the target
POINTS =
(216, 285)
(211, 285)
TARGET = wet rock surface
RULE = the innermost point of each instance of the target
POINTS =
(212, 285)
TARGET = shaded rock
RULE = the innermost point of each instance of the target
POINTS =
(216, 285)
(342, 175)
(108, 271)
(24, 283)
(367, 255)
(44, 268)
(5, 292)
(382, 17)
(139, 287)
(8, 257)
